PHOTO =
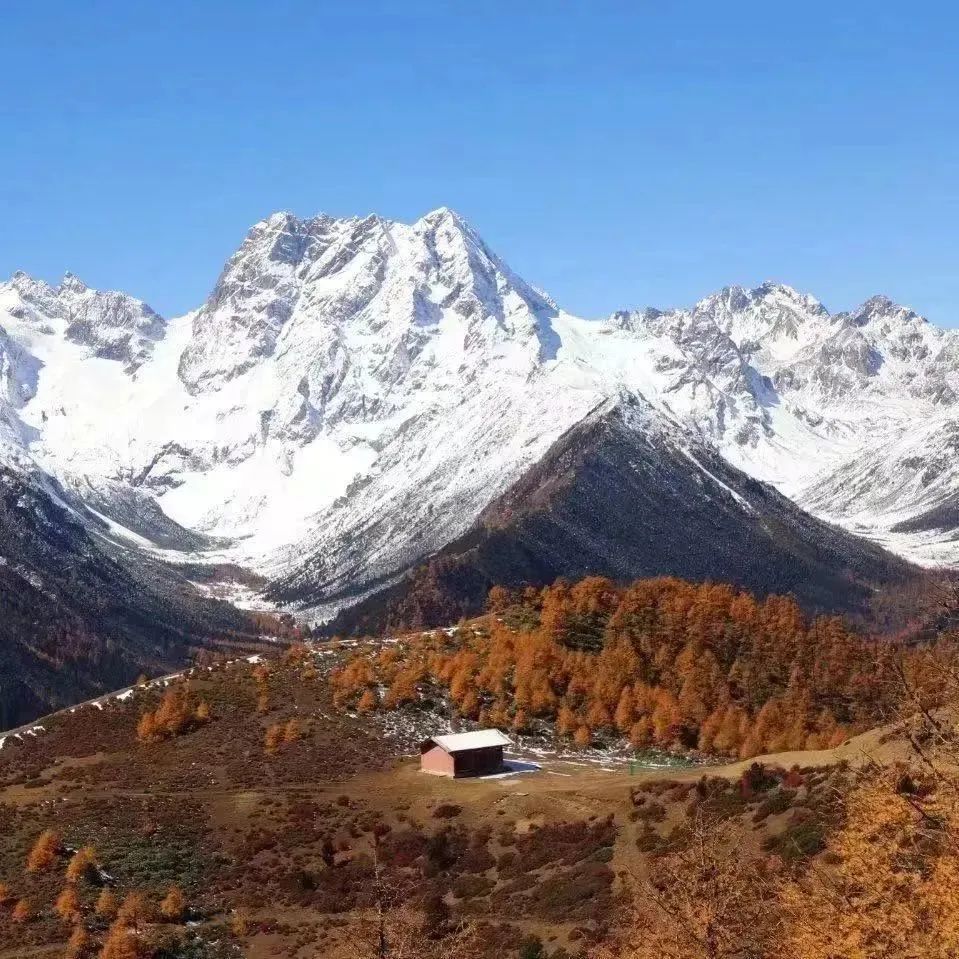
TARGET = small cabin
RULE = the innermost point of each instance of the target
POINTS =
(479, 753)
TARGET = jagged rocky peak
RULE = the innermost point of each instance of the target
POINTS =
(320, 284)
(730, 299)
(73, 283)
(767, 296)
(466, 276)
(36, 299)
(756, 318)
(254, 297)
(881, 310)
(743, 313)
(270, 252)
(113, 325)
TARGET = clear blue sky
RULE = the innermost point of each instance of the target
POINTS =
(616, 154)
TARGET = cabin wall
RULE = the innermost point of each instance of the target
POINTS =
(437, 762)
(478, 762)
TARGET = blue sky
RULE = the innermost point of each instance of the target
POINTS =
(616, 154)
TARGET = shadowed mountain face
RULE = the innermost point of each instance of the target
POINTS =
(78, 615)
(612, 499)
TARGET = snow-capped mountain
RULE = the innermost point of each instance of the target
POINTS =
(355, 392)
(852, 414)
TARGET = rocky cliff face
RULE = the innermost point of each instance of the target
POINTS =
(111, 326)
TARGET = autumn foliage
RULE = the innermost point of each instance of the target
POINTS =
(662, 662)
(121, 943)
(22, 911)
(78, 945)
(67, 906)
(106, 904)
(134, 911)
(173, 905)
(278, 735)
(886, 885)
(703, 901)
(45, 852)
(83, 865)
(176, 714)
(894, 887)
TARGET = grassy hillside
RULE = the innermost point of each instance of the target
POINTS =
(289, 824)
(274, 807)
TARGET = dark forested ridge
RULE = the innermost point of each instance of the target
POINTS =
(80, 616)
(615, 501)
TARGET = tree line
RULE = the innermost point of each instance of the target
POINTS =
(660, 661)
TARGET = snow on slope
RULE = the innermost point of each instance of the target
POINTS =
(358, 390)
(330, 352)
(852, 415)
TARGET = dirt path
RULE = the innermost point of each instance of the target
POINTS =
(568, 790)
(582, 789)
(558, 777)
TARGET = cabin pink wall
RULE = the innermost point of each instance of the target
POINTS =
(437, 761)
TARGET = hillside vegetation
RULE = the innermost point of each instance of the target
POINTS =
(247, 809)
(80, 615)
(663, 662)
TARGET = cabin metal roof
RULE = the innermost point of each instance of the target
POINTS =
(479, 739)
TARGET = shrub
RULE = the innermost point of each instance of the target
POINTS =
(67, 906)
(801, 839)
(471, 887)
(651, 812)
(22, 911)
(772, 805)
(45, 852)
(83, 865)
(173, 906)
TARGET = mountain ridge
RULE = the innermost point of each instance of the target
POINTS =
(355, 392)
(612, 500)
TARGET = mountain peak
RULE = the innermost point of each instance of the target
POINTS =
(775, 288)
(881, 307)
(782, 292)
(440, 214)
(444, 217)
(278, 220)
(25, 284)
(73, 283)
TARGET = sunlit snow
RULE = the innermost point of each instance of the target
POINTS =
(356, 391)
